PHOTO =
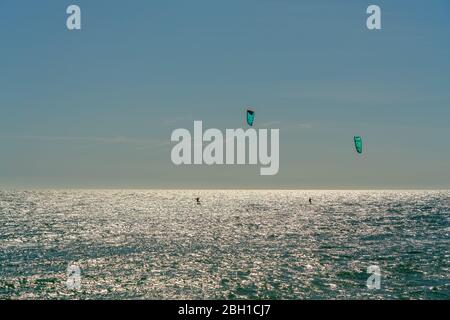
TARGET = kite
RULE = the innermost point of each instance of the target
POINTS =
(250, 117)
(358, 144)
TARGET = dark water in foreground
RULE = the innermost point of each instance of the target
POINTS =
(236, 244)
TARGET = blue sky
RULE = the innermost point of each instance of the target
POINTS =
(95, 108)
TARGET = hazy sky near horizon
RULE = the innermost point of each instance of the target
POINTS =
(95, 108)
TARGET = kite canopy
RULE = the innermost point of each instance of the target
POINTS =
(250, 117)
(358, 144)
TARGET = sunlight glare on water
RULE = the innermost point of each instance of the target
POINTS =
(241, 244)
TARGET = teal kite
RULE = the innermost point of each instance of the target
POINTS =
(250, 117)
(358, 144)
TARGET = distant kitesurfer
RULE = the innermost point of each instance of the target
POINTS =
(198, 200)
(310, 201)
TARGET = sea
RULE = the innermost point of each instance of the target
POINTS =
(233, 244)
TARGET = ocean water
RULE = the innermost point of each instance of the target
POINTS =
(235, 245)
